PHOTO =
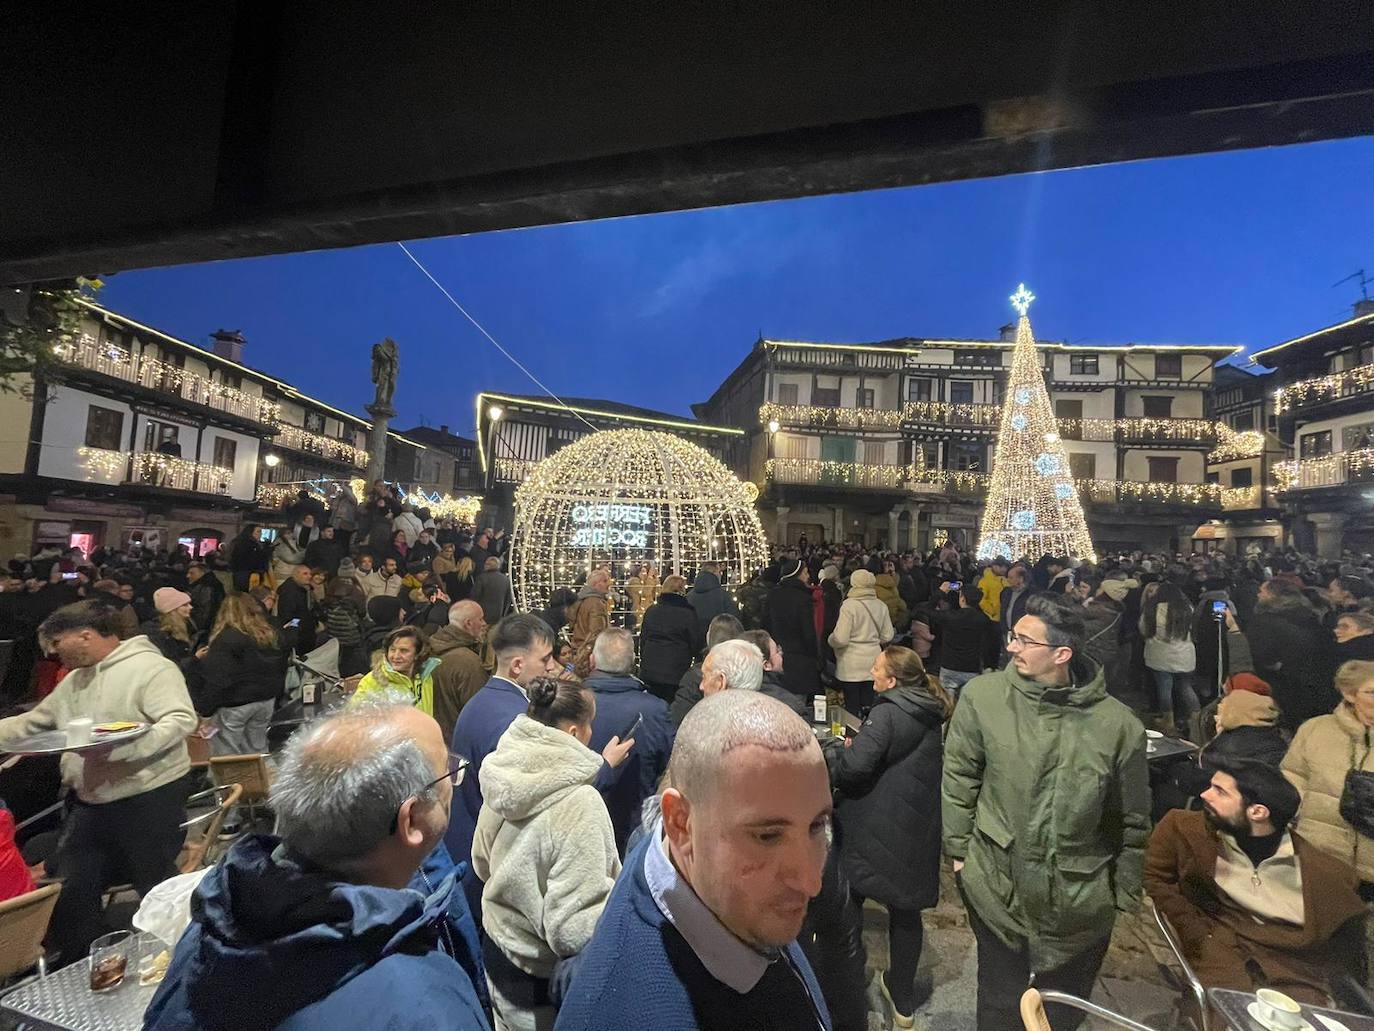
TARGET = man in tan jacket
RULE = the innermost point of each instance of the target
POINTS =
(127, 801)
(1252, 903)
(587, 617)
(460, 673)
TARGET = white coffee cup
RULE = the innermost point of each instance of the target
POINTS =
(1278, 1009)
(79, 731)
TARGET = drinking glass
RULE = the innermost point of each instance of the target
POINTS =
(110, 956)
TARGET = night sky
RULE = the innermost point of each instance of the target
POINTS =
(656, 310)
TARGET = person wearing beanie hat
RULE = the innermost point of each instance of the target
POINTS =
(169, 599)
(862, 631)
(172, 629)
(347, 570)
(791, 622)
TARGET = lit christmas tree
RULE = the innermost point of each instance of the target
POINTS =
(1033, 507)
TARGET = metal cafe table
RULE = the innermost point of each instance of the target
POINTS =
(1232, 1007)
(64, 1000)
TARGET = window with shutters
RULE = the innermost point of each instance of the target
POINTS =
(1083, 365)
(104, 428)
(961, 391)
(1244, 477)
(1169, 366)
(1083, 465)
(864, 398)
(787, 393)
(918, 390)
(1158, 407)
(1163, 470)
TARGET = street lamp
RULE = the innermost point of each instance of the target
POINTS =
(271, 460)
(495, 412)
(773, 425)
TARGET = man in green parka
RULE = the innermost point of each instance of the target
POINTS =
(1046, 808)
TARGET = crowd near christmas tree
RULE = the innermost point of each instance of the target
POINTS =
(632, 808)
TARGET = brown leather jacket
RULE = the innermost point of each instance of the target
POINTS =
(1225, 945)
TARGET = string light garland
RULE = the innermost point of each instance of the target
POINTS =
(1234, 445)
(155, 374)
(156, 470)
(1032, 507)
(958, 413)
(462, 509)
(846, 474)
(313, 443)
(1326, 471)
(1324, 388)
(623, 498)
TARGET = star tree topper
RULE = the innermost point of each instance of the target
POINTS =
(1021, 300)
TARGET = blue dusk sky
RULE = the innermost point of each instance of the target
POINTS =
(655, 310)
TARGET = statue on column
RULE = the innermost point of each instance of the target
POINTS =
(386, 365)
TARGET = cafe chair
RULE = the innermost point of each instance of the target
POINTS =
(1033, 1017)
(1189, 982)
(198, 852)
(250, 772)
(23, 925)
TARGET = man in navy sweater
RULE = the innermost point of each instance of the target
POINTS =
(700, 930)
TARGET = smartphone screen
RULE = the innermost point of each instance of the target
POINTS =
(1219, 609)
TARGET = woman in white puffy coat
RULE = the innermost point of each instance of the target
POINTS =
(544, 849)
(862, 631)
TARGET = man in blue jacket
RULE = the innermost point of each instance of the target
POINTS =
(319, 929)
(621, 698)
(700, 930)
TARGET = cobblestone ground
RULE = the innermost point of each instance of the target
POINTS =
(1132, 981)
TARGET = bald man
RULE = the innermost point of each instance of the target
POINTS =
(701, 928)
(459, 675)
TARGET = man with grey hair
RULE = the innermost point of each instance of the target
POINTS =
(734, 664)
(622, 701)
(701, 929)
(323, 923)
(460, 673)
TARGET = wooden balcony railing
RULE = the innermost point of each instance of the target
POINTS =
(154, 374)
(151, 469)
(1321, 389)
(1335, 470)
(314, 444)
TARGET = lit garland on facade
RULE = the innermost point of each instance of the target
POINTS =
(156, 470)
(846, 474)
(1326, 471)
(622, 498)
(441, 506)
(1324, 388)
(952, 413)
(1234, 445)
(313, 443)
(1032, 507)
(156, 374)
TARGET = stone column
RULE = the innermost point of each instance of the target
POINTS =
(837, 527)
(892, 517)
(1329, 528)
(781, 530)
(376, 442)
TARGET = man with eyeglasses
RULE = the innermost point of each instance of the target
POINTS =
(1046, 810)
(334, 923)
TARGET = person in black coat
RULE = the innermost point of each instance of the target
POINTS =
(325, 552)
(296, 616)
(1354, 635)
(773, 671)
(791, 621)
(1293, 653)
(247, 555)
(206, 595)
(888, 816)
(670, 639)
(241, 673)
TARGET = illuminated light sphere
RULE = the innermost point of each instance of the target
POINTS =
(1048, 464)
(625, 498)
(1064, 491)
(1018, 423)
(1023, 520)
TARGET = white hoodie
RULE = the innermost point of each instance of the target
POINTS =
(542, 823)
(133, 682)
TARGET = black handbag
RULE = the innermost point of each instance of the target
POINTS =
(1357, 798)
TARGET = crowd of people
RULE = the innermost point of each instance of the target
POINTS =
(629, 808)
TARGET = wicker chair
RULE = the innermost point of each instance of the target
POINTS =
(249, 771)
(198, 852)
(23, 923)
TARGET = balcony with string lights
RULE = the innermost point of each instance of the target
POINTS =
(154, 470)
(146, 378)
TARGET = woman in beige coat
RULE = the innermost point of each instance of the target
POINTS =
(1324, 750)
(861, 632)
